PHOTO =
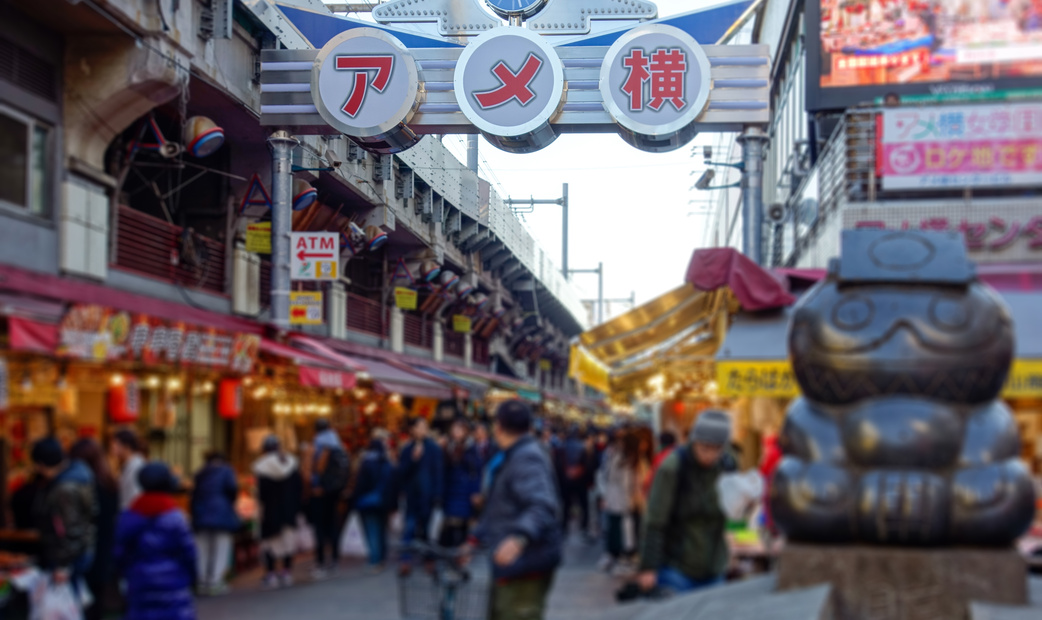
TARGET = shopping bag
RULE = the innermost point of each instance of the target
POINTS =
(57, 602)
(397, 525)
(352, 541)
(305, 536)
(434, 527)
(740, 493)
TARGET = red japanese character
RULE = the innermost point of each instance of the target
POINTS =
(1033, 230)
(1010, 233)
(512, 85)
(362, 65)
(974, 234)
(935, 223)
(668, 68)
(637, 63)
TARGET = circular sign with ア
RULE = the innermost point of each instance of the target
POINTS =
(365, 84)
(509, 83)
(655, 82)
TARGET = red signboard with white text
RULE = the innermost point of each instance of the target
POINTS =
(332, 379)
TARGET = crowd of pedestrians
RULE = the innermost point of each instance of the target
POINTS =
(514, 486)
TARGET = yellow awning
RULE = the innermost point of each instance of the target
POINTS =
(585, 369)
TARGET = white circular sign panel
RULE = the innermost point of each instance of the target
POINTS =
(509, 82)
(365, 84)
(655, 81)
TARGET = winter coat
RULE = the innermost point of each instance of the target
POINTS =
(156, 556)
(279, 489)
(64, 515)
(523, 501)
(462, 480)
(687, 536)
(129, 488)
(213, 499)
(617, 483)
(423, 481)
(573, 461)
(374, 488)
(108, 513)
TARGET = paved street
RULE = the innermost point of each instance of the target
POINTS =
(580, 593)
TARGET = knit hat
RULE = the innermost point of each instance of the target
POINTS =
(155, 477)
(48, 452)
(713, 427)
(271, 444)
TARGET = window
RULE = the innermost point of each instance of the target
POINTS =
(25, 155)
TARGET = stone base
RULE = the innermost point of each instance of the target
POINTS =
(752, 599)
(894, 583)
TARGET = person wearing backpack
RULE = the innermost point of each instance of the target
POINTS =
(331, 473)
(684, 546)
(373, 499)
(575, 479)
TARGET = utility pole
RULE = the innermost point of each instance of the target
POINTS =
(631, 300)
(600, 288)
(752, 141)
(563, 202)
(281, 145)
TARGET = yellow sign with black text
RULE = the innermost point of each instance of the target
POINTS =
(461, 323)
(1025, 380)
(405, 298)
(305, 307)
(258, 237)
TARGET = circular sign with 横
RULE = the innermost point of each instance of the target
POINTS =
(509, 83)
(365, 84)
(655, 83)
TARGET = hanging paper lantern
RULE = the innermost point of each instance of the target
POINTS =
(124, 400)
(479, 300)
(429, 270)
(229, 399)
(449, 280)
(465, 288)
(203, 136)
(375, 237)
(303, 195)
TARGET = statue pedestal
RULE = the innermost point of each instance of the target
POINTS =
(895, 583)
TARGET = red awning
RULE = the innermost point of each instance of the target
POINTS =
(32, 336)
(321, 377)
(295, 355)
(753, 286)
(391, 379)
(325, 351)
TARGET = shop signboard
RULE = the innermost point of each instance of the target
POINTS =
(314, 255)
(405, 298)
(323, 378)
(860, 50)
(771, 378)
(461, 323)
(305, 307)
(258, 237)
(969, 146)
(97, 333)
(1025, 379)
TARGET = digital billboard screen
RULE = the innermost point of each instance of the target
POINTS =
(860, 50)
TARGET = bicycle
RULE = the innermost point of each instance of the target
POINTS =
(441, 588)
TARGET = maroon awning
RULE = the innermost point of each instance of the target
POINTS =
(753, 286)
(32, 336)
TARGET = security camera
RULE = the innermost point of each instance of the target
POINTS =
(707, 152)
(332, 159)
(776, 213)
(704, 180)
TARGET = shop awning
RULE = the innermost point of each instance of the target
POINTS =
(295, 355)
(32, 336)
(473, 387)
(391, 379)
(325, 351)
(754, 287)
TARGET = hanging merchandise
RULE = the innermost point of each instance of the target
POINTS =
(229, 399)
(203, 136)
(303, 195)
(159, 143)
(124, 399)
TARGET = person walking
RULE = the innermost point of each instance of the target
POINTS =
(684, 547)
(373, 499)
(574, 461)
(106, 498)
(129, 453)
(214, 521)
(331, 473)
(522, 519)
(421, 476)
(279, 489)
(155, 552)
(617, 488)
(462, 484)
(64, 513)
(667, 441)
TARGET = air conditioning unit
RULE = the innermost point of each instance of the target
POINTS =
(84, 229)
(246, 282)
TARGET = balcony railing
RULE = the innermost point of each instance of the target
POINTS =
(151, 247)
(366, 315)
(418, 331)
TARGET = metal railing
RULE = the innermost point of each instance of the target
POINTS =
(151, 247)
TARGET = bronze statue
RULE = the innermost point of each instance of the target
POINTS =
(899, 437)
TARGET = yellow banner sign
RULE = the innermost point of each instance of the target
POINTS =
(405, 298)
(1025, 379)
(258, 238)
(305, 307)
(546, 365)
(461, 323)
(771, 378)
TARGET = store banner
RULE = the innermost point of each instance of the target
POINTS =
(960, 146)
(770, 378)
(333, 379)
(31, 336)
(461, 324)
(405, 298)
(96, 333)
(258, 237)
(1025, 379)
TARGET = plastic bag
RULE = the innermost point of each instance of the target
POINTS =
(352, 541)
(304, 534)
(397, 524)
(434, 527)
(57, 602)
(740, 493)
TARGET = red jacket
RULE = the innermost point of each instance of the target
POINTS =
(661, 456)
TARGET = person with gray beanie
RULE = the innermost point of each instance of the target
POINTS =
(683, 547)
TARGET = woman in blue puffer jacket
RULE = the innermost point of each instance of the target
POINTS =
(155, 552)
(462, 484)
(214, 521)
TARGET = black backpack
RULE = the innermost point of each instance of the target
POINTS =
(335, 476)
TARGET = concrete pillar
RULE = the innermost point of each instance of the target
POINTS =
(397, 335)
(468, 350)
(337, 313)
(439, 339)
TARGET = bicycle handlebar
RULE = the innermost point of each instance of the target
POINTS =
(443, 553)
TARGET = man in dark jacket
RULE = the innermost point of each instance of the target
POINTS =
(462, 484)
(522, 519)
(214, 521)
(421, 477)
(65, 511)
(574, 460)
(683, 547)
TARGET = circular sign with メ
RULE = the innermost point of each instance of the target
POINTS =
(365, 84)
(509, 82)
(655, 81)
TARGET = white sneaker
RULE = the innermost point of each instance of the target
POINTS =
(286, 580)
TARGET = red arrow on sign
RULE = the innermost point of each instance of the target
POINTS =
(303, 256)
(299, 312)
